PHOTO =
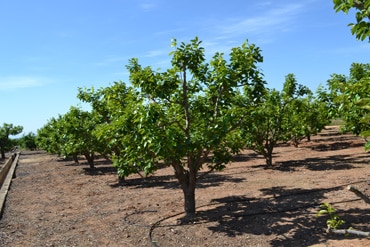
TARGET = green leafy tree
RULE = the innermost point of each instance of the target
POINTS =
(279, 117)
(190, 114)
(116, 106)
(113, 107)
(70, 135)
(264, 128)
(296, 110)
(28, 141)
(5, 131)
(326, 99)
(361, 29)
(48, 137)
(346, 92)
(315, 115)
(77, 128)
(307, 117)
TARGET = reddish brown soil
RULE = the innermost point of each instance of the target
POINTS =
(56, 203)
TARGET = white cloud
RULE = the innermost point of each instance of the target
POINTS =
(272, 20)
(156, 53)
(147, 6)
(20, 82)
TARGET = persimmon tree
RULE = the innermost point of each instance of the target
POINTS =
(48, 137)
(70, 135)
(306, 116)
(314, 117)
(280, 116)
(115, 107)
(361, 30)
(5, 131)
(77, 132)
(190, 114)
(28, 141)
(346, 92)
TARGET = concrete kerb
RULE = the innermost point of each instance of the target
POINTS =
(6, 175)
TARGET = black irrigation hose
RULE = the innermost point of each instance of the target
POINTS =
(138, 212)
(157, 223)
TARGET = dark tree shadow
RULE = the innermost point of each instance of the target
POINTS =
(166, 182)
(100, 170)
(338, 145)
(335, 162)
(215, 179)
(170, 181)
(357, 218)
(246, 157)
(287, 213)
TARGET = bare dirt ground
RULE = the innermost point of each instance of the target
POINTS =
(56, 203)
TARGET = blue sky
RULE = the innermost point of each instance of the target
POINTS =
(50, 48)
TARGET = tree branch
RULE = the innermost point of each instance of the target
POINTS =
(359, 193)
(358, 5)
(186, 104)
(215, 114)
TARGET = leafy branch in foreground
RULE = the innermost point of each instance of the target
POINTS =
(335, 221)
(361, 29)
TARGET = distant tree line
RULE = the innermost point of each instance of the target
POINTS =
(26, 141)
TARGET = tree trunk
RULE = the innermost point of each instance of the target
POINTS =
(189, 201)
(359, 193)
(121, 180)
(75, 158)
(267, 153)
(308, 136)
(90, 160)
(187, 180)
(268, 157)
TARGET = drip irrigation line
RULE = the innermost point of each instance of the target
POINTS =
(138, 212)
(311, 205)
(236, 199)
(156, 224)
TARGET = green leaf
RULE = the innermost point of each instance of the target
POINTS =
(367, 146)
(323, 211)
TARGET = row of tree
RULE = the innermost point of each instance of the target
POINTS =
(194, 116)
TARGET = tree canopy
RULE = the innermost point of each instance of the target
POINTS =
(5, 131)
